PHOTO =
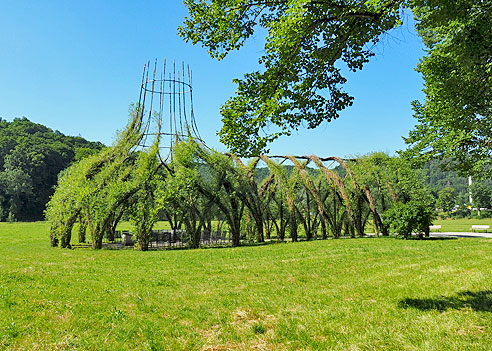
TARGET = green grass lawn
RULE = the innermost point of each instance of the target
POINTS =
(346, 294)
(461, 225)
(123, 225)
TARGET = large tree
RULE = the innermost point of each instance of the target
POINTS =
(455, 118)
(481, 195)
(309, 41)
(307, 44)
(447, 199)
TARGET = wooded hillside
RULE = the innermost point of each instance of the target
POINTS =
(31, 157)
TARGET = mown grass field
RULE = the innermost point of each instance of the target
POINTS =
(346, 294)
(462, 224)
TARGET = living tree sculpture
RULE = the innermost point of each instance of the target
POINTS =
(153, 173)
(96, 188)
(325, 201)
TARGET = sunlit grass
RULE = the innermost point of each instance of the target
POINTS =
(462, 224)
(346, 294)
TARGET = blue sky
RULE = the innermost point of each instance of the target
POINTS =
(76, 67)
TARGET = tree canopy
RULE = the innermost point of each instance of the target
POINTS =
(481, 195)
(308, 42)
(455, 118)
(447, 199)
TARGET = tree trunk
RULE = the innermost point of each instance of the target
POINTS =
(307, 226)
(236, 234)
(143, 244)
(193, 227)
(195, 235)
(359, 223)
(82, 231)
(281, 228)
(97, 243)
(293, 227)
(53, 238)
(259, 228)
(384, 228)
(97, 235)
(268, 229)
(66, 237)
(323, 229)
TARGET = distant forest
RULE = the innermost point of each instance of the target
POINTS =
(438, 179)
(31, 157)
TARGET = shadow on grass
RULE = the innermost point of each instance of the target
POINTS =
(179, 246)
(244, 243)
(432, 238)
(476, 300)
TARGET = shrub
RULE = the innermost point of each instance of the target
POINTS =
(406, 218)
(461, 212)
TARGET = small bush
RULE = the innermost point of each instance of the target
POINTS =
(485, 214)
(461, 212)
(406, 218)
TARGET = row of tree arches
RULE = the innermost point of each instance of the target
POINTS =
(317, 188)
(267, 197)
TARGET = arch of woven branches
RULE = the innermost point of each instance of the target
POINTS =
(278, 181)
